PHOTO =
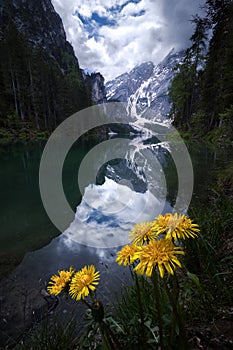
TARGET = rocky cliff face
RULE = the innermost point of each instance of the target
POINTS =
(98, 88)
(40, 79)
(38, 20)
(95, 85)
(39, 23)
(145, 88)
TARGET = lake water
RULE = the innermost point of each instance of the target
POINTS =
(32, 248)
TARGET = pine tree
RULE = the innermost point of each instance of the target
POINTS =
(185, 85)
(39, 86)
(217, 83)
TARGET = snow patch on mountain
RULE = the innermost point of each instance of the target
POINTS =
(145, 88)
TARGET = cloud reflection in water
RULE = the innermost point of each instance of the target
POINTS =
(107, 213)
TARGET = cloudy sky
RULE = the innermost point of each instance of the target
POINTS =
(113, 36)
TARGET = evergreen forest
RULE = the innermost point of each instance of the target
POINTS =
(41, 84)
(202, 90)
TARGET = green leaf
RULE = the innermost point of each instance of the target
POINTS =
(194, 279)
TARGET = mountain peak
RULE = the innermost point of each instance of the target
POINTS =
(126, 84)
(146, 86)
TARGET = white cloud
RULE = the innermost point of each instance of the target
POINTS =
(132, 8)
(130, 40)
(118, 206)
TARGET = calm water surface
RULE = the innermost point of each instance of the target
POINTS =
(32, 249)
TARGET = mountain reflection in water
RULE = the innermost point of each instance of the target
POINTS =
(126, 191)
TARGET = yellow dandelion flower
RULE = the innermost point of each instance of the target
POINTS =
(161, 223)
(83, 282)
(188, 228)
(167, 222)
(161, 253)
(60, 282)
(126, 255)
(181, 227)
(176, 226)
(142, 233)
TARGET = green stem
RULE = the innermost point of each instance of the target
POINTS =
(92, 297)
(86, 303)
(106, 341)
(111, 335)
(173, 300)
(158, 306)
(131, 271)
(175, 297)
(141, 312)
(173, 324)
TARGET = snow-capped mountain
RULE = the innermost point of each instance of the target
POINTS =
(145, 88)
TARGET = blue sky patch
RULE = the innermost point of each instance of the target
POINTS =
(93, 23)
(98, 217)
(139, 14)
(102, 21)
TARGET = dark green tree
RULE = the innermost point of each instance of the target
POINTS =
(40, 85)
(217, 82)
(184, 91)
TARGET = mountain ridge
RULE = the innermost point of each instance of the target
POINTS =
(146, 87)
